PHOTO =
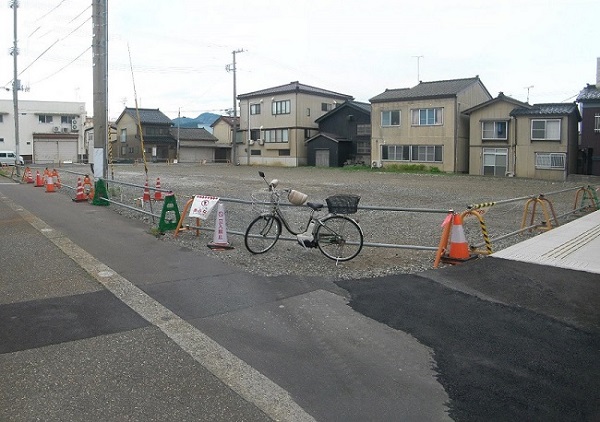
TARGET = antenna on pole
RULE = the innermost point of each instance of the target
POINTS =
(528, 88)
(418, 67)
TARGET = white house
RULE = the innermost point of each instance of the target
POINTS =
(49, 131)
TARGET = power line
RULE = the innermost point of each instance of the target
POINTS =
(64, 67)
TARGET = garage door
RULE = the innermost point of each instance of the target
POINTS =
(54, 151)
(322, 158)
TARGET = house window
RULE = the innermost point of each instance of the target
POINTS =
(493, 130)
(495, 161)
(545, 130)
(308, 112)
(363, 147)
(254, 109)
(362, 130)
(390, 118)
(284, 152)
(550, 160)
(326, 106)
(44, 118)
(276, 135)
(281, 107)
(130, 150)
(123, 135)
(255, 134)
(1, 118)
(427, 153)
(123, 150)
(67, 119)
(1, 140)
(395, 152)
(596, 122)
(255, 152)
(427, 116)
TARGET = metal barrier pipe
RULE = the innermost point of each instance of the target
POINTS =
(522, 198)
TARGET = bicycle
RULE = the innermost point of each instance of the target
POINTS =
(337, 236)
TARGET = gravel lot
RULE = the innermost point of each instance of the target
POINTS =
(423, 198)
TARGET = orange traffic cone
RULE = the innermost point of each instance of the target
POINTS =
(27, 176)
(459, 248)
(50, 184)
(146, 197)
(79, 194)
(157, 193)
(39, 182)
(56, 178)
(220, 242)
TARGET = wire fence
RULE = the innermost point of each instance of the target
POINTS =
(504, 219)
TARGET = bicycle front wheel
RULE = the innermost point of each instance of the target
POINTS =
(262, 234)
(339, 238)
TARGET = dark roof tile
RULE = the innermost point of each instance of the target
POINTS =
(435, 89)
(295, 87)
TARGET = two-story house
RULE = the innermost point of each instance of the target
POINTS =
(49, 131)
(155, 126)
(425, 124)
(492, 136)
(589, 149)
(223, 131)
(344, 136)
(546, 140)
(277, 121)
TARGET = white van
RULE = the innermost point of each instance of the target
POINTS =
(8, 158)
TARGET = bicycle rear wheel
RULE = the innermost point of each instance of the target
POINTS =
(339, 238)
(262, 234)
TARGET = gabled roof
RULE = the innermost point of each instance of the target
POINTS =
(295, 87)
(332, 137)
(500, 98)
(147, 116)
(548, 109)
(192, 134)
(226, 119)
(425, 90)
(589, 93)
(355, 105)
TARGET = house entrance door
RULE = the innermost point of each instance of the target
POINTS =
(322, 158)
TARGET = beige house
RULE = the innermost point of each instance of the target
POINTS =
(546, 139)
(223, 131)
(492, 137)
(276, 122)
(425, 124)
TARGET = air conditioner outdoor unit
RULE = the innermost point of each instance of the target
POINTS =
(261, 141)
(376, 164)
(250, 141)
(65, 130)
(56, 129)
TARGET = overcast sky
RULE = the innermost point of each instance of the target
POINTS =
(179, 48)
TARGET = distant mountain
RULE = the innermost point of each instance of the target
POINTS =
(203, 120)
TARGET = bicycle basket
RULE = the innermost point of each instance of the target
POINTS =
(297, 198)
(343, 204)
(262, 201)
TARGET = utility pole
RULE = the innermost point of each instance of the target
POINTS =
(232, 68)
(16, 84)
(100, 83)
(418, 68)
